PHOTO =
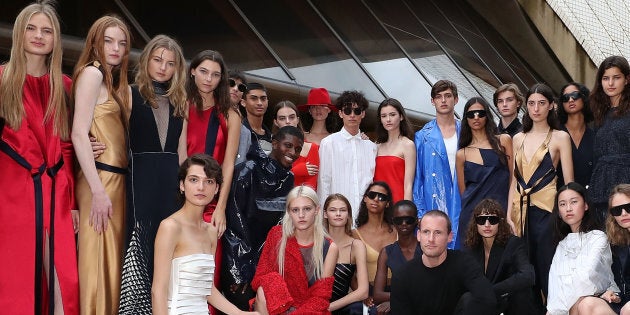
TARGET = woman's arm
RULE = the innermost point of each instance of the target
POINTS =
(409, 154)
(460, 158)
(566, 156)
(361, 292)
(182, 150)
(506, 142)
(165, 243)
(517, 139)
(227, 168)
(523, 276)
(88, 88)
(380, 280)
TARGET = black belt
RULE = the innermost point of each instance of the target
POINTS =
(110, 168)
(39, 224)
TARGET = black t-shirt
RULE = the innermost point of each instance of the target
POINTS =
(417, 289)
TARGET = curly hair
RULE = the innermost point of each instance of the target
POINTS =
(600, 102)
(352, 97)
(362, 216)
(560, 228)
(487, 207)
(616, 234)
(586, 109)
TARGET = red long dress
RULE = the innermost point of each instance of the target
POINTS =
(36, 178)
(196, 143)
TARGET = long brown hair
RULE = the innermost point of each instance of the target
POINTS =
(487, 207)
(600, 102)
(176, 92)
(342, 198)
(616, 234)
(14, 74)
(115, 80)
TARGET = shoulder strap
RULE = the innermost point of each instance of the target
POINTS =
(213, 130)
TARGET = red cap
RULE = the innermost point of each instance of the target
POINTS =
(317, 97)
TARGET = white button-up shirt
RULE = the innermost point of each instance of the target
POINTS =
(346, 166)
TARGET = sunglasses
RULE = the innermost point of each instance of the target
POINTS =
(575, 95)
(472, 113)
(348, 110)
(241, 87)
(482, 219)
(616, 210)
(408, 220)
(375, 195)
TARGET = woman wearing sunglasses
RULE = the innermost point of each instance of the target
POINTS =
(618, 231)
(580, 279)
(351, 263)
(396, 152)
(374, 226)
(306, 167)
(397, 254)
(574, 114)
(237, 86)
(214, 128)
(483, 162)
(503, 257)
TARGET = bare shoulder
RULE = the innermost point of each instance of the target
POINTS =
(358, 248)
(505, 139)
(561, 135)
(170, 226)
(90, 73)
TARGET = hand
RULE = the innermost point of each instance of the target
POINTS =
(218, 220)
(101, 211)
(97, 147)
(369, 301)
(75, 220)
(311, 169)
(364, 136)
(383, 308)
(611, 297)
(236, 287)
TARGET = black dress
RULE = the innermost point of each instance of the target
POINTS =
(582, 159)
(151, 196)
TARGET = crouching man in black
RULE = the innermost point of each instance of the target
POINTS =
(441, 281)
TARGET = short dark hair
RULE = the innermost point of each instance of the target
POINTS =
(405, 203)
(443, 85)
(211, 168)
(438, 213)
(254, 86)
(352, 97)
(288, 130)
(237, 75)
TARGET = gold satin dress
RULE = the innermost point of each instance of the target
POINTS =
(100, 255)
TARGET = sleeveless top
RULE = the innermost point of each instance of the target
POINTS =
(190, 284)
(198, 130)
(395, 257)
(372, 260)
(343, 277)
(391, 169)
(536, 182)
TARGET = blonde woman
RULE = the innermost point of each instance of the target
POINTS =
(101, 99)
(295, 270)
(156, 141)
(36, 177)
(351, 263)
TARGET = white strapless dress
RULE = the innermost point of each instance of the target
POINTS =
(190, 284)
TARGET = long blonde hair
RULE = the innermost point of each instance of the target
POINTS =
(14, 74)
(115, 80)
(616, 234)
(176, 89)
(288, 230)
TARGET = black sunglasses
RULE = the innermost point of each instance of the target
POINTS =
(408, 220)
(481, 220)
(575, 95)
(472, 113)
(616, 210)
(375, 195)
(241, 87)
(348, 110)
